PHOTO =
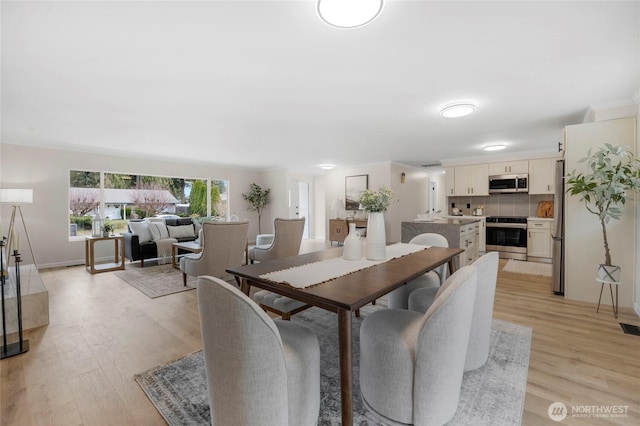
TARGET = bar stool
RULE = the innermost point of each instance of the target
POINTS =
(615, 304)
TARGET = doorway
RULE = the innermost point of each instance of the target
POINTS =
(299, 203)
(433, 196)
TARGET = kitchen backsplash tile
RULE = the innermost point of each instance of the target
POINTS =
(500, 204)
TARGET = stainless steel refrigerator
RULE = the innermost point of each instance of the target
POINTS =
(557, 231)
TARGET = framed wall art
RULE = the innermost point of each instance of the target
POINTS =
(354, 186)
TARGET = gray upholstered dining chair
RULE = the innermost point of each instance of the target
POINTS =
(478, 353)
(259, 371)
(411, 364)
(223, 246)
(286, 241)
(399, 298)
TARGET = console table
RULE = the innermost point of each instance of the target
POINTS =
(339, 228)
(90, 254)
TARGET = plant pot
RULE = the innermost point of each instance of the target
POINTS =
(105, 234)
(376, 237)
(352, 248)
(609, 273)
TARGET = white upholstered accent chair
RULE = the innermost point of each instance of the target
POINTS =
(223, 246)
(411, 364)
(478, 352)
(259, 371)
(286, 241)
(399, 298)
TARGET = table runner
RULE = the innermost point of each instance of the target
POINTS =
(319, 272)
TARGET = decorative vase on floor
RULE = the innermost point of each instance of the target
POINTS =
(376, 237)
(352, 249)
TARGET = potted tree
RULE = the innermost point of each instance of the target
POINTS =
(613, 173)
(258, 199)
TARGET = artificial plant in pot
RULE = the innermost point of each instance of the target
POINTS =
(613, 173)
(258, 199)
(375, 203)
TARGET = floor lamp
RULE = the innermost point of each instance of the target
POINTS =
(15, 197)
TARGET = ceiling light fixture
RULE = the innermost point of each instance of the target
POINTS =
(348, 13)
(457, 110)
(495, 147)
(327, 166)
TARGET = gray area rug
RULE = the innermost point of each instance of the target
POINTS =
(156, 281)
(492, 395)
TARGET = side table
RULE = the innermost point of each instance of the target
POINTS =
(90, 254)
(614, 303)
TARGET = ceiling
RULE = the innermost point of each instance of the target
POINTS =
(266, 84)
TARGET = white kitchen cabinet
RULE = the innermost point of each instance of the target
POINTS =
(469, 243)
(449, 181)
(482, 235)
(471, 180)
(509, 167)
(539, 240)
(542, 176)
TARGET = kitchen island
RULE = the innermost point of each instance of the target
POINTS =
(460, 233)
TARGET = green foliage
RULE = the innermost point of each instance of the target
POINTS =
(258, 199)
(81, 179)
(376, 201)
(198, 198)
(108, 226)
(83, 222)
(613, 174)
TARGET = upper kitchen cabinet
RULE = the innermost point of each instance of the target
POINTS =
(508, 167)
(471, 180)
(542, 176)
(449, 181)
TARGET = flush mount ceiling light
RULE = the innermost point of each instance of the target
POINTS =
(495, 147)
(327, 166)
(457, 110)
(348, 13)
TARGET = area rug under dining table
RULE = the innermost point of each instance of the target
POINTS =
(491, 395)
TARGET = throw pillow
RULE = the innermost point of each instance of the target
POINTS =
(183, 231)
(141, 229)
(158, 231)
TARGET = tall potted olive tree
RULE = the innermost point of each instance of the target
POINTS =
(258, 199)
(613, 174)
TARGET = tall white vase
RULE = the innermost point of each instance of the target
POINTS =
(376, 237)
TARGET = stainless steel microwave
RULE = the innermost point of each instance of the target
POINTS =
(508, 183)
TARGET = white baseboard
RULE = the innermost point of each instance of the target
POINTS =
(636, 308)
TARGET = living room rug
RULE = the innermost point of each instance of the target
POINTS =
(491, 395)
(526, 267)
(156, 281)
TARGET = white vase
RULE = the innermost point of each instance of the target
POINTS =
(376, 237)
(351, 249)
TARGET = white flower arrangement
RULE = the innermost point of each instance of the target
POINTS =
(376, 201)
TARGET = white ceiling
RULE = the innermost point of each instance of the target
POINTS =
(266, 84)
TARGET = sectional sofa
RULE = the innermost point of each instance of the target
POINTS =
(148, 238)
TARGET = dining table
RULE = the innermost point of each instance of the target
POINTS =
(345, 294)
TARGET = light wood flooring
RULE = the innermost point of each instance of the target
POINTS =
(79, 370)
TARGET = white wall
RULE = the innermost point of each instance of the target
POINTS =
(583, 237)
(47, 172)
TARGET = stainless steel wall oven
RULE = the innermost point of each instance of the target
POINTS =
(507, 236)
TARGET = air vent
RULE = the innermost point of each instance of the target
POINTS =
(433, 164)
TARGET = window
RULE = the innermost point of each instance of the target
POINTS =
(84, 201)
(131, 196)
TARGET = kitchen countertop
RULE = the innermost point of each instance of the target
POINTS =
(450, 220)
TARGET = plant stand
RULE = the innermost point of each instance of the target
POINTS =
(614, 303)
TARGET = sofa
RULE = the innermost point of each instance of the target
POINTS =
(146, 236)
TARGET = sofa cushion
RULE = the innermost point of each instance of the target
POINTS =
(158, 230)
(182, 231)
(142, 230)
